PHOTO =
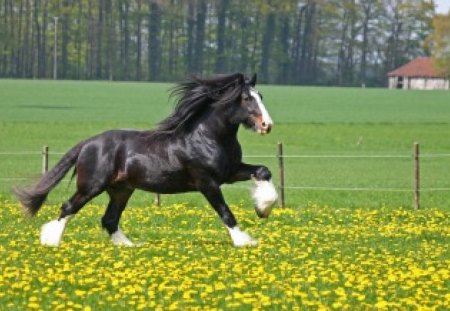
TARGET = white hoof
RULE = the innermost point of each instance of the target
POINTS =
(241, 238)
(52, 232)
(265, 196)
(118, 238)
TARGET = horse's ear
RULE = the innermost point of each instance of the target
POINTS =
(253, 80)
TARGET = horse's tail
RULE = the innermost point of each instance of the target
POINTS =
(32, 198)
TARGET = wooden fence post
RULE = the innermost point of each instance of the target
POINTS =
(44, 160)
(281, 174)
(416, 177)
(157, 199)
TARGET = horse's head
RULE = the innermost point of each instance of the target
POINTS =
(234, 98)
(251, 111)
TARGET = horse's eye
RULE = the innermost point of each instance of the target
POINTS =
(246, 98)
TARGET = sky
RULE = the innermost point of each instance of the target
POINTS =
(442, 6)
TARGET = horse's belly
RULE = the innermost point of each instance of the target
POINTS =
(168, 183)
(158, 177)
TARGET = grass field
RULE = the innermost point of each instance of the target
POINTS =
(330, 249)
(318, 121)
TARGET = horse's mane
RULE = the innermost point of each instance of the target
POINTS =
(195, 95)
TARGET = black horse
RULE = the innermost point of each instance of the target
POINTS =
(194, 149)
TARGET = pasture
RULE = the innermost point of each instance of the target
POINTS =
(308, 120)
(328, 248)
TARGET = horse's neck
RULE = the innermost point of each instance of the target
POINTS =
(222, 129)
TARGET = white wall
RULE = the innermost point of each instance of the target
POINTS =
(428, 84)
(392, 82)
(420, 83)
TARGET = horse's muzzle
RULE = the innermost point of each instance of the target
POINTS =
(263, 127)
(266, 128)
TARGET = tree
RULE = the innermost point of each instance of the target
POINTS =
(345, 42)
(408, 25)
(367, 16)
(441, 43)
(266, 47)
(124, 13)
(99, 40)
(345, 64)
(138, 40)
(199, 37)
(307, 54)
(110, 43)
(222, 9)
(65, 31)
(154, 40)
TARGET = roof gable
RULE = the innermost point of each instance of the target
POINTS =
(419, 67)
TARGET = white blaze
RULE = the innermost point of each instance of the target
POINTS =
(265, 114)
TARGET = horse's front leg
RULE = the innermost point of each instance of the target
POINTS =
(264, 193)
(211, 190)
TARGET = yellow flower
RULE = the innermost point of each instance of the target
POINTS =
(33, 305)
(80, 293)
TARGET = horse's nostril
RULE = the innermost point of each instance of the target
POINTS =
(264, 124)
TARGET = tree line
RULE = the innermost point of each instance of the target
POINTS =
(310, 42)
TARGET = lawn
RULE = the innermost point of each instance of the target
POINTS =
(308, 120)
(332, 247)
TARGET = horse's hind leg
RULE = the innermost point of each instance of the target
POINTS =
(110, 221)
(52, 232)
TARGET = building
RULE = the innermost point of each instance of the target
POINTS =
(418, 74)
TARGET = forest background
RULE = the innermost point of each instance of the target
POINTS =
(313, 42)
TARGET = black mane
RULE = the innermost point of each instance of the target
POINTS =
(196, 94)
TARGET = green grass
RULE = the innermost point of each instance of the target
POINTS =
(308, 120)
(327, 249)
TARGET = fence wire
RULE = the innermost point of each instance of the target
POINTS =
(289, 156)
(286, 156)
(345, 156)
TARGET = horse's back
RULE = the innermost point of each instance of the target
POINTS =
(134, 159)
(103, 156)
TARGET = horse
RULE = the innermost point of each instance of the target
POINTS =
(194, 149)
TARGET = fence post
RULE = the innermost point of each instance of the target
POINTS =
(416, 177)
(157, 199)
(44, 160)
(281, 174)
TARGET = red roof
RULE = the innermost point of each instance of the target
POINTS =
(419, 67)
